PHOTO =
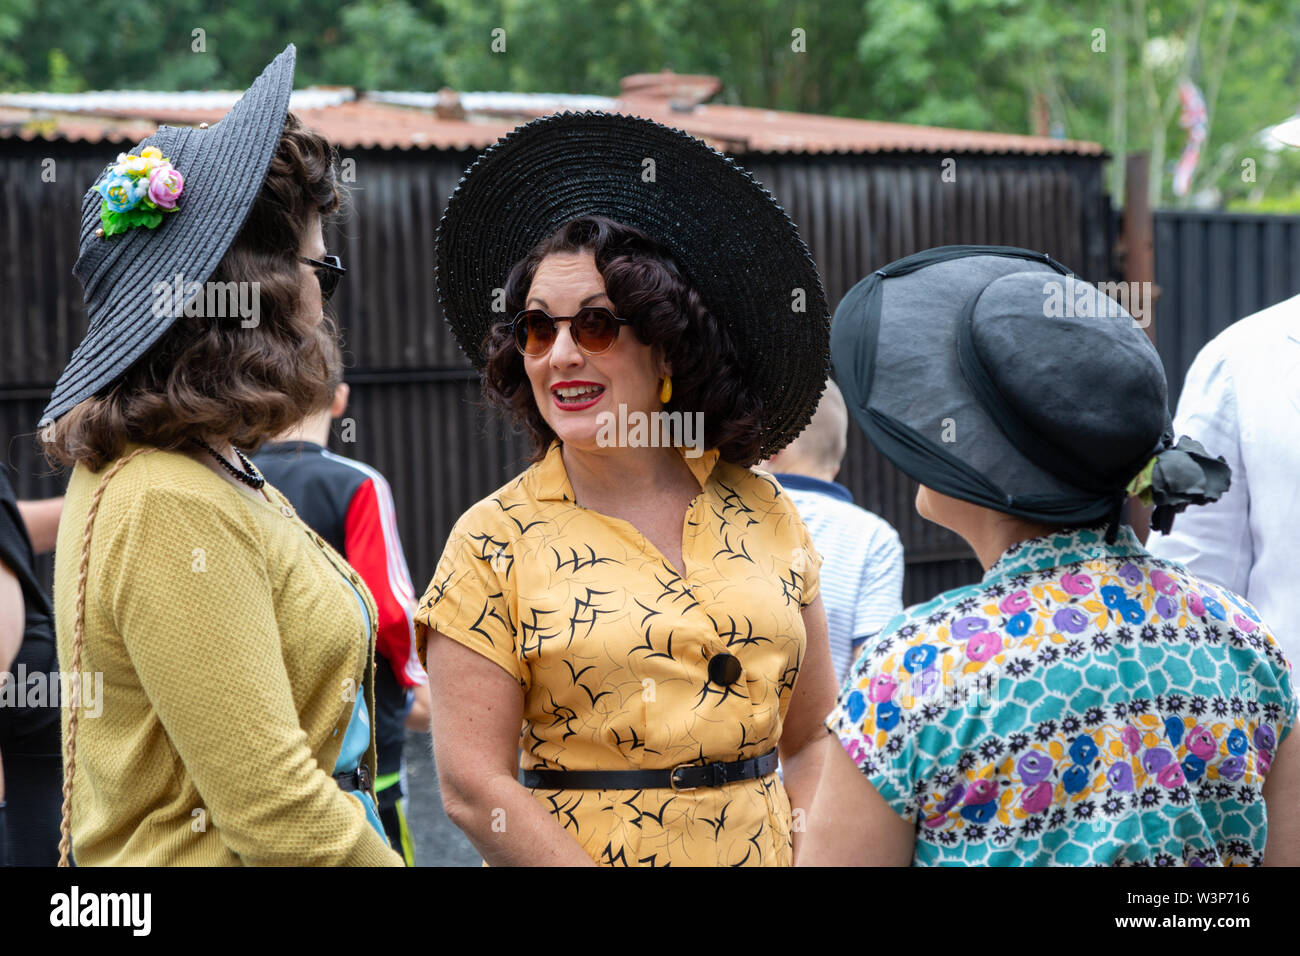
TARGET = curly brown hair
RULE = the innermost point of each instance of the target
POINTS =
(210, 375)
(647, 287)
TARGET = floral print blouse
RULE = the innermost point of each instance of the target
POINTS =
(1084, 704)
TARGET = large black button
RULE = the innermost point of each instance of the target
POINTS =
(724, 669)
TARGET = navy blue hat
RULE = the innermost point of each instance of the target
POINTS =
(993, 375)
(224, 167)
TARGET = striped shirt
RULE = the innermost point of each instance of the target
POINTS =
(862, 563)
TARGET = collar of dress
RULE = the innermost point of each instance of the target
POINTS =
(551, 481)
(1067, 547)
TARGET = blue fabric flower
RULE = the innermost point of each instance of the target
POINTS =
(1237, 742)
(1019, 624)
(122, 192)
(919, 658)
(1083, 750)
(856, 706)
(1174, 728)
(887, 715)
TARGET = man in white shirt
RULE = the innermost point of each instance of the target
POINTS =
(1241, 400)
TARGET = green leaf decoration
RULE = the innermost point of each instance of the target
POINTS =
(116, 222)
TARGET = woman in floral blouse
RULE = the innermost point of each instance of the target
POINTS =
(1085, 703)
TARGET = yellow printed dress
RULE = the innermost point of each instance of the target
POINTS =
(611, 648)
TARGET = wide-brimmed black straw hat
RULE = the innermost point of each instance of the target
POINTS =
(993, 375)
(223, 166)
(727, 233)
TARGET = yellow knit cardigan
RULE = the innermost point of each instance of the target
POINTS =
(230, 647)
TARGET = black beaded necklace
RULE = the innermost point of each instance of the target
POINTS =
(249, 476)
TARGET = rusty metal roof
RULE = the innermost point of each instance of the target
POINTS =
(450, 120)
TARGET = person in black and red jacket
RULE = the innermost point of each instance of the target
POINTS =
(349, 504)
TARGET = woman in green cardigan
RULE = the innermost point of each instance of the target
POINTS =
(226, 649)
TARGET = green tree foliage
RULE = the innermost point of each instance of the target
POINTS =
(1101, 70)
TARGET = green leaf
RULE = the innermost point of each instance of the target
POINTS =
(116, 222)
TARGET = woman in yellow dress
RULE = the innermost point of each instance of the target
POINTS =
(638, 611)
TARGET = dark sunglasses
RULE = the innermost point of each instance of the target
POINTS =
(594, 329)
(328, 273)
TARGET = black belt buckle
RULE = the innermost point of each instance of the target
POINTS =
(712, 774)
(363, 778)
(672, 777)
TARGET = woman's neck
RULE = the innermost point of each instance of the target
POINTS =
(998, 533)
(622, 473)
(226, 450)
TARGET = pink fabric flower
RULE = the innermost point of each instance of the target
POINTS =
(1077, 584)
(881, 688)
(1202, 743)
(1132, 739)
(1163, 583)
(984, 645)
(165, 185)
(1171, 775)
(981, 791)
(1015, 602)
(1037, 798)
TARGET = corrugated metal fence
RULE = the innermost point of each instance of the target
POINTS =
(1212, 269)
(415, 405)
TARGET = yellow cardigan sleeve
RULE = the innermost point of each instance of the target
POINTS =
(204, 642)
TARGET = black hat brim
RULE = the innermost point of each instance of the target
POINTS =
(224, 167)
(733, 241)
(897, 342)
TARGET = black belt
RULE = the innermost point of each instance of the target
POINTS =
(686, 777)
(358, 779)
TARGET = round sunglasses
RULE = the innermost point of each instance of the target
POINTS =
(594, 330)
(328, 273)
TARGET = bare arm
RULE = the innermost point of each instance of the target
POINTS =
(42, 521)
(477, 712)
(850, 823)
(12, 618)
(804, 739)
(1282, 803)
(418, 718)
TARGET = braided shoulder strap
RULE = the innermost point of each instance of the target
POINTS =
(74, 705)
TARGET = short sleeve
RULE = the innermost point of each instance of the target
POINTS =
(882, 745)
(471, 596)
(1281, 698)
(880, 591)
(812, 563)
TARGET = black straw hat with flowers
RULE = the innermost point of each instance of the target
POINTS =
(170, 208)
(727, 233)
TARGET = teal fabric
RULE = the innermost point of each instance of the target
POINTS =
(356, 739)
(1084, 704)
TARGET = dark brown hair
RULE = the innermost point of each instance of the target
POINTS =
(210, 375)
(666, 313)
